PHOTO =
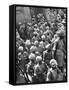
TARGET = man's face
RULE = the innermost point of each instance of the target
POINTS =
(49, 36)
(25, 55)
(19, 56)
(58, 18)
(53, 65)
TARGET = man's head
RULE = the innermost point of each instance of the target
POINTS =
(27, 43)
(20, 49)
(38, 59)
(32, 57)
(53, 63)
(33, 49)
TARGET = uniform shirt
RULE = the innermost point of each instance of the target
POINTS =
(40, 72)
(40, 69)
(60, 45)
(30, 68)
(54, 75)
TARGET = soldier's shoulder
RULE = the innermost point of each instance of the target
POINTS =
(50, 70)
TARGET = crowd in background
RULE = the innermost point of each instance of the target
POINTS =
(41, 48)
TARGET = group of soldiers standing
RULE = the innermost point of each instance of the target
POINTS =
(41, 49)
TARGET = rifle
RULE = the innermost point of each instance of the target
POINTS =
(24, 73)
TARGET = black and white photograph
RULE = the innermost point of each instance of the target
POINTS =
(41, 44)
(34, 45)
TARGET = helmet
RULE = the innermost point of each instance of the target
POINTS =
(35, 25)
(39, 15)
(17, 35)
(41, 44)
(29, 23)
(34, 16)
(38, 58)
(63, 21)
(36, 42)
(19, 54)
(32, 56)
(48, 31)
(36, 29)
(19, 23)
(33, 38)
(35, 33)
(33, 49)
(37, 53)
(20, 48)
(43, 37)
(27, 43)
(41, 27)
(33, 19)
(45, 23)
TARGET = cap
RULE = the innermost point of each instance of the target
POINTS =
(32, 56)
(38, 58)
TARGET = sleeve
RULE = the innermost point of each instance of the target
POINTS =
(48, 76)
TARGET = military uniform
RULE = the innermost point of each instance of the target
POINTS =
(40, 71)
(54, 75)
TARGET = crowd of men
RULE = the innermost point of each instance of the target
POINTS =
(41, 49)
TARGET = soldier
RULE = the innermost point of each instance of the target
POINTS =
(48, 35)
(23, 31)
(33, 49)
(40, 70)
(30, 66)
(27, 45)
(21, 65)
(60, 50)
(41, 47)
(54, 73)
